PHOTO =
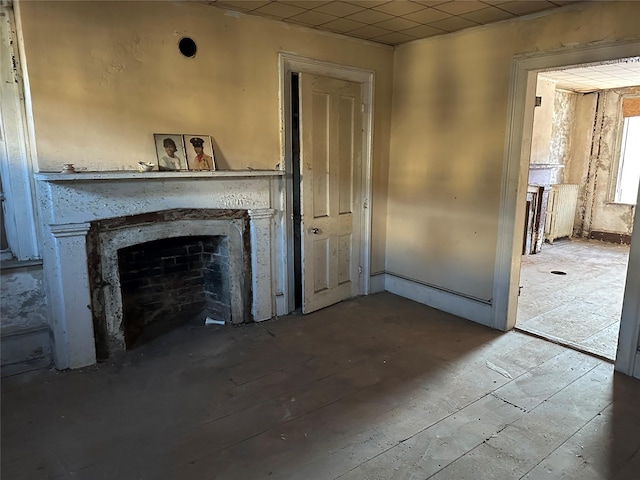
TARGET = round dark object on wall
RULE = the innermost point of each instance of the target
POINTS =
(558, 272)
(187, 47)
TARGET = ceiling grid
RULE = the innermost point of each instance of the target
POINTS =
(391, 22)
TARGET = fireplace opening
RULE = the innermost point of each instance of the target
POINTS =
(169, 282)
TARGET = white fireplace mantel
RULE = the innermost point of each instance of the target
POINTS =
(133, 175)
(69, 202)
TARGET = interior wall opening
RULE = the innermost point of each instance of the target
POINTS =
(574, 221)
(297, 214)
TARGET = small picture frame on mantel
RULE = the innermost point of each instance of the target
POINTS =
(199, 152)
(170, 152)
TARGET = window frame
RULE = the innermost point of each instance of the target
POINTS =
(620, 151)
(616, 149)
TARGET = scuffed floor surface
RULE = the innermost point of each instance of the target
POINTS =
(581, 308)
(375, 388)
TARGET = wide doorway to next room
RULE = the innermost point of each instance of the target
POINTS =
(582, 188)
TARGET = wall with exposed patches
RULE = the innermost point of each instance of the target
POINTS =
(23, 319)
(577, 165)
(541, 134)
(564, 106)
(596, 173)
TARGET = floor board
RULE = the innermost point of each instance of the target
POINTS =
(379, 387)
(581, 308)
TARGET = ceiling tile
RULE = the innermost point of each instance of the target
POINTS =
(423, 31)
(453, 24)
(394, 38)
(342, 25)
(306, 4)
(339, 9)
(458, 8)
(431, 3)
(370, 16)
(397, 23)
(488, 15)
(369, 31)
(311, 17)
(399, 8)
(441, 16)
(242, 6)
(367, 3)
(524, 7)
(279, 10)
(595, 77)
(427, 15)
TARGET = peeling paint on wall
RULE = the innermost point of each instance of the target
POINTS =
(563, 113)
(608, 216)
(23, 301)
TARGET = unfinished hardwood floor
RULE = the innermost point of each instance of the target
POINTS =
(581, 308)
(379, 387)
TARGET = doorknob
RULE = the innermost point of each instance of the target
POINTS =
(314, 230)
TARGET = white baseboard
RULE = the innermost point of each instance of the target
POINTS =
(450, 302)
(376, 282)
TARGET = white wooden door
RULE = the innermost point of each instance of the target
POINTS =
(330, 166)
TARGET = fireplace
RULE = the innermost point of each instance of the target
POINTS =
(114, 243)
(170, 282)
(151, 272)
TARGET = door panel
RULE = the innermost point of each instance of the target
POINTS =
(344, 256)
(331, 156)
(319, 160)
(321, 270)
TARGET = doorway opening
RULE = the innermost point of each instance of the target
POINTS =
(327, 221)
(296, 204)
(575, 221)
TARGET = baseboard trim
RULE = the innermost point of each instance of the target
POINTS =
(376, 282)
(470, 308)
(617, 238)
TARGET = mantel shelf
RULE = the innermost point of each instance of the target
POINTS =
(134, 175)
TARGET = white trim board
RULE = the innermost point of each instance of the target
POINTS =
(16, 152)
(376, 282)
(514, 179)
(450, 302)
(628, 357)
(288, 63)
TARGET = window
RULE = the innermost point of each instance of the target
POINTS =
(629, 165)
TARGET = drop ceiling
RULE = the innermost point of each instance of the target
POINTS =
(390, 22)
(589, 78)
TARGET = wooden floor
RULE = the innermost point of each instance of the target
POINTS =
(375, 388)
(582, 308)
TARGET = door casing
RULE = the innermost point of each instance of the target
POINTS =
(514, 185)
(289, 63)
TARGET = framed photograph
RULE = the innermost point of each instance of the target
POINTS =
(170, 151)
(199, 152)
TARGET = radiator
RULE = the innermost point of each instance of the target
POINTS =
(561, 211)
